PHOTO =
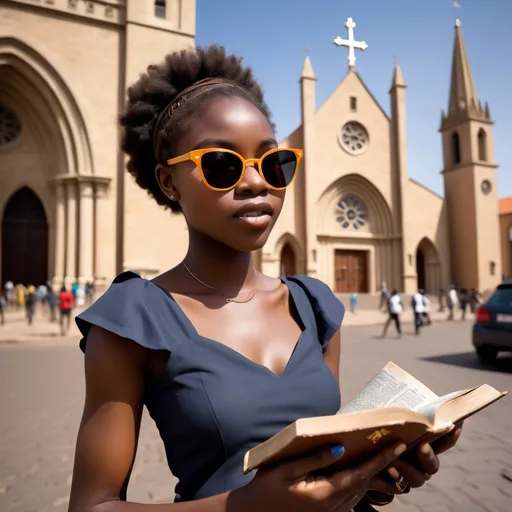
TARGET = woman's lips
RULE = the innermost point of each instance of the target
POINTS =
(260, 220)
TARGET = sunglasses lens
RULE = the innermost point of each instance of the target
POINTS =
(279, 167)
(221, 169)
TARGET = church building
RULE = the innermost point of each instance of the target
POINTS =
(70, 211)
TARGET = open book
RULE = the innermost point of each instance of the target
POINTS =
(392, 407)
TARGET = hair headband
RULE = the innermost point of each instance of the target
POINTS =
(202, 86)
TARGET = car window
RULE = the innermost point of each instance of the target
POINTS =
(501, 296)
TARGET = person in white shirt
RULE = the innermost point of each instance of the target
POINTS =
(418, 307)
(452, 300)
(395, 308)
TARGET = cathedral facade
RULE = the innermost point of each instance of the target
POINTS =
(353, 218)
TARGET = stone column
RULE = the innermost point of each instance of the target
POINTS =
(71, 238)
(59, 270)
(86, 233)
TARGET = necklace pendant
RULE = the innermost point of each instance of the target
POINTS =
(240, 301)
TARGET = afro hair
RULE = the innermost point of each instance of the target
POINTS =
(157, 88)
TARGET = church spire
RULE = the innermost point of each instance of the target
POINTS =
(307, 70)
(463, 96)
(398, 78)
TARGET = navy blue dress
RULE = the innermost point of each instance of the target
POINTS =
(212, 404)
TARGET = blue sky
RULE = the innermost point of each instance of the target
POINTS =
(273, 35)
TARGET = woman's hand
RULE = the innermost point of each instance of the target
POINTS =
(293, 485)
(425, 463)
(418, 470)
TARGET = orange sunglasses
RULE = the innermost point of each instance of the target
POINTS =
(223, 169)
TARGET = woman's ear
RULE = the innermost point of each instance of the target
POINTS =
(164, 179)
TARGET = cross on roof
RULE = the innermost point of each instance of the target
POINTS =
(351, 43)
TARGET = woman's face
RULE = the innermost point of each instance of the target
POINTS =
(235, 124)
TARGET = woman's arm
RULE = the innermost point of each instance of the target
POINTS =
(108, 434)
(332, 355)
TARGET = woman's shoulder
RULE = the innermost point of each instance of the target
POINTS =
(328, 309)
(136, 309)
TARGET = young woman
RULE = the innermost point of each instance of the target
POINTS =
(222, 356)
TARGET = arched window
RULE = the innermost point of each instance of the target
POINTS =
(482, 145)
(160, 8)
(455, 148)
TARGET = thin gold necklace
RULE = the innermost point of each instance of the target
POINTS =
(229, 299)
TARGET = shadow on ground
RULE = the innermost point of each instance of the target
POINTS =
(470, 360)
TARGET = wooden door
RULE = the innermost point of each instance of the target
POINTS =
(350, 271)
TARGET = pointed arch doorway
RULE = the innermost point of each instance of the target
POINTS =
(24, 239)
(428, 267)
(288, 263)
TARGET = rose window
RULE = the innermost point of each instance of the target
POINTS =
(10, 126)
(351, 213)
(354, 138)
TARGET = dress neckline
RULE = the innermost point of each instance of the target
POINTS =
(294, 306)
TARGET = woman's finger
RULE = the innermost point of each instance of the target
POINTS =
(302, 466)
(384, 485)
(356, 480)
(448, 441)
(368, 469)
(427, 459)
(413, 476)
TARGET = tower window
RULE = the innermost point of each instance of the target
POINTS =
(160, 8)
(353, 104)
(492, 268)
(455, 148)
(482, 145)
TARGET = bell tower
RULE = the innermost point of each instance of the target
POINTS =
(155, 28)
(470, 179)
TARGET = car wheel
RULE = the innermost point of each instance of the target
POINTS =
(487, 354)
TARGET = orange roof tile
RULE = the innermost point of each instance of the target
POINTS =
(505, 205)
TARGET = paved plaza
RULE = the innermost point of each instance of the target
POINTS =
(41, 399)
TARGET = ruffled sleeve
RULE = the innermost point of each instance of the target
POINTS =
(327, 308)
(136, 309)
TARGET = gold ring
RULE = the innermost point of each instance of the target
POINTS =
(402, 485)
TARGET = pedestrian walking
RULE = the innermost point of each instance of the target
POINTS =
(464, 299)
(66, 302)
(384, 296)
(452, 301)
(395, 308)
(474, 300)
(418, 308)
(52, 302)
(30, 303)
(353, 302)
(3, 305)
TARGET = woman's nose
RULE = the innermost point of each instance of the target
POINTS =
(252, 183)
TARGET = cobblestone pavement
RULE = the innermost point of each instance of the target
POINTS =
(41, 398)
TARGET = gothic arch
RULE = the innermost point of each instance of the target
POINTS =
(482, 145)
(379, 216)
(287, 240)
(428, 266)
(42, 97)
(24, 238)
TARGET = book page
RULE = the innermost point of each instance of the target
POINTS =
(430, 408)
(391, 387)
